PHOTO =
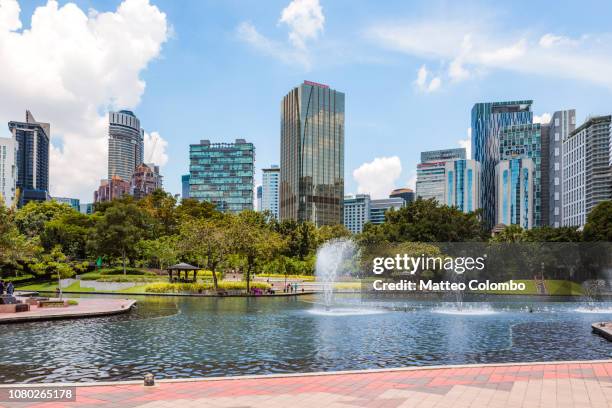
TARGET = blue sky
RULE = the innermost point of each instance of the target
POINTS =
(224, 66)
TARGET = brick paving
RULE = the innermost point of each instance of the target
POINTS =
(85, 308)
(574, 384)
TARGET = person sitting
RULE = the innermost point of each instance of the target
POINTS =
(10, 289)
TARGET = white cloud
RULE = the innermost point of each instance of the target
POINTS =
(465, 46)
(155, 149)
(543, 118)
(423, 83)
(467, 143)
(69, 68)
(378, 177)
(305, 20)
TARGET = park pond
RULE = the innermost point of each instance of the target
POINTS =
(181, 337)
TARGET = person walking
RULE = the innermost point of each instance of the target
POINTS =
(10, 289)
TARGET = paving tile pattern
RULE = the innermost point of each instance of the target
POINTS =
(547, 385)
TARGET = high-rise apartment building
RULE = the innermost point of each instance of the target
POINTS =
(8, 170)
(431, 180)
(112, 188)
(514, 181)
(525, 141)
(587, 169)
(379, 207)
(561, 125)
(487, 121)
(270, 190)
(312, 155)
(185, 186)
(406, 193)
(145, 180)
(125, 144)
(462, 186)
(32, 161)
(223, 174)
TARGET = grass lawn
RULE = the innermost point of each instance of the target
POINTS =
(554, 288)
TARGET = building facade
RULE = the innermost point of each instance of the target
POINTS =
(112, 188)
(259, 197)
(8, 171)
(72, 202)
(125, 144)
(561, 125)
(32, 161)
(406, 193)
(431, 180)
(145, 180)
(86, 208)
(462, 186)
(185, 186)
(270, 193)
(312, 155)
(356, 212)
(525, 141)
(379, 207)
(514, 180)
(587, 169)
(223, 174)
(487, 121)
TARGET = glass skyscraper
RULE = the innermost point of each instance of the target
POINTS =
(270, 190)
(562, 124)
(462, 184)
(32, 140)
(514, 192)
(312, 155)
(185, 186)
(431, 182)
(222, 173)
(125, 144)
(525, 141)
(487, 121)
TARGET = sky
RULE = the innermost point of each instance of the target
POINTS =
(217, 70)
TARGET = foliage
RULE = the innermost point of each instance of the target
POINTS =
(197, 287)
(598, 226)
(53, 265)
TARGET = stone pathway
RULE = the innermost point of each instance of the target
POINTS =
(582, 384)
(86, 308)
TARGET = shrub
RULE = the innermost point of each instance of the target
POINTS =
(127, 278)
(118, 270)
(197, 287)
(72, 302)
(307, 278)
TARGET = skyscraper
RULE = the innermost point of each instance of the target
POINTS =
(406, 193)
(562, 124)
(125, 144)
(185, 186)
(270, 190)
(487, 120)
(32, 140)
(222, 173)
(8, 170)
(515, 192)
(75, 203)
(379, 207)
(145, 180)
(356, 212)
(525, 141)
(431, 180)
(587, 169)
(312, 154)
(462, 186)
(112, 188)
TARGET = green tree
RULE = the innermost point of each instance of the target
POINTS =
(599, 223)
(550, 234)
(512, 233)
(53, 264)
(159, 252)
(71, 231)
(14, 247)
(32, 217)
(161, 208)
(119, 229)
(192, 208)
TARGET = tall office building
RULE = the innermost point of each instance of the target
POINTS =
(75, 203)
(525, 141)
(145, 180)
(487, 121)
(361, 209)
(431, 180)
(32, 140)
(561, 125)
(125, 144)
(514, 181)
(270, 190)
(259, 192)
(587, 169)
(356, 212)
(462, 186)
(222, 173)
(185, 186)
(312, 155)
(8, 170)
(406, 193)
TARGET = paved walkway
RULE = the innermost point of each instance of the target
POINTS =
(86, 308)
(587, 384)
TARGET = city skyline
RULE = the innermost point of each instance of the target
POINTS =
(412, 83)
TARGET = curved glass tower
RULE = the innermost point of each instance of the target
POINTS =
(125, 144)
(312, 155)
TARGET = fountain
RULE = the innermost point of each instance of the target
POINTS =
(332, 262)
(458, 306)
